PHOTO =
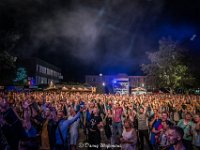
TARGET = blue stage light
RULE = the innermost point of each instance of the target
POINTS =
(114, 81)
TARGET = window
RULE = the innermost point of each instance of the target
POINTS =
(37, 68)
(50, 72)
(41, 80)
(49, 81)
(41, 69)
(56, 74)
(37, 79)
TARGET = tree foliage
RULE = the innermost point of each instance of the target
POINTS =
(7, 68)
(166, 67)
(21, 77)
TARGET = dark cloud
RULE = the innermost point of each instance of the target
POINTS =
(92, 36)
(113, 24)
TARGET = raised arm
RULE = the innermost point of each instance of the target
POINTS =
(155, 131)
(105, 108)
(71, 121)
(152, 122)
(26, 114)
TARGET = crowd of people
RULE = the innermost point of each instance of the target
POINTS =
(52, 120)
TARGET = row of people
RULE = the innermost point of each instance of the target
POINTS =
(42, 119)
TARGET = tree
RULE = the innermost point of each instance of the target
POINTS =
(21, 77)
(166, 68)
(7, 68)
(193, 61)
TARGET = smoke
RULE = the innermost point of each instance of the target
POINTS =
(97, 34)
(94, 35)
(107, 32)
(79, 28)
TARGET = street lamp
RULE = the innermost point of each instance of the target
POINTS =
(142, 84)
(51, 83)
(104, 84)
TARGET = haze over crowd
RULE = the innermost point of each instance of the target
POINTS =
(108, 36)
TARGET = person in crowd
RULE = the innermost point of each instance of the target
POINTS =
(62, 128)
(36, 117)
(175, 137)
(176, 114)
(196, 132)
(143, 128)
(129, 136)
(48, 131)
(186, 124)
(29, 128)
(11, 124)
(135, 119)
(32, 140)
(117, 122)
(87, 117)
(94, 129)
(163, 138)
(157, 129)
(154, 117)
(73, 131)
(108, 124)
(43, 108)
(3, 142)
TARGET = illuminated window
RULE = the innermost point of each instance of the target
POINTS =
(42, 69)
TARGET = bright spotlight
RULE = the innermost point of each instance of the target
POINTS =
(114, 81)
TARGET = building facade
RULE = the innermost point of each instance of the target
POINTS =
(115, 81)
(134, 81)
(40, 72)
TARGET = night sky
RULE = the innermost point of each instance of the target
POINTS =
(96, 36)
